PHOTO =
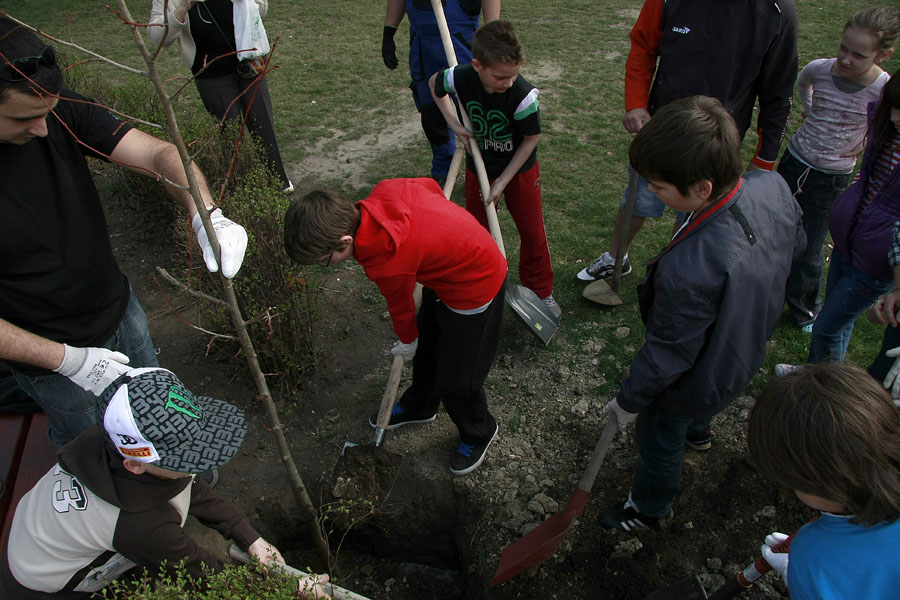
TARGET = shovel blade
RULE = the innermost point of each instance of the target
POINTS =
(348, 445)
(532, 311)
(540, 543)
(600, 292)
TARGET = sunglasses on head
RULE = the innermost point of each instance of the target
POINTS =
(22, 69)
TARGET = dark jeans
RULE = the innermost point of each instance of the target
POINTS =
(453, 359)
(659, 436)
(71, 409)
(848, 292)
(220, 96)
(815, 192)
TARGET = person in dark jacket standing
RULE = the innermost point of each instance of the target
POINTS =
(710, 300)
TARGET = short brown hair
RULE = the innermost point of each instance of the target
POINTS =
(831, 430)
(689, 141)
(495, 41)
(882, 22)
(315, 223)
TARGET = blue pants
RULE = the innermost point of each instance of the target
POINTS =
(659, 436)
(848, 293)
(815, 192)
(71, 409)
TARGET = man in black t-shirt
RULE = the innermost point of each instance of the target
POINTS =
(69, 324)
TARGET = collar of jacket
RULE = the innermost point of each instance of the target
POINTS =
(705, 215)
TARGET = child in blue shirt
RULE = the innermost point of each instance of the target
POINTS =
(831, 433)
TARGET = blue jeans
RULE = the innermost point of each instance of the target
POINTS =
(848, 293)
(659, 436)
(815, 192)
(71, 409)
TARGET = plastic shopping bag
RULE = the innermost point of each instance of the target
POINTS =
(249, 33)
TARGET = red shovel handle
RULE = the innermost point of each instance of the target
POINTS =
(745, 579)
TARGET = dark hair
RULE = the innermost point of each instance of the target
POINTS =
(882, 22)
(315, 223)
(882, 128)
(18, 42)
(495, 41)
(831, 430)
(688, 141)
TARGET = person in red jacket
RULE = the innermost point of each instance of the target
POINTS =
(405, 232)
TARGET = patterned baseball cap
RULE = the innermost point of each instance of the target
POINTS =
(151, 417)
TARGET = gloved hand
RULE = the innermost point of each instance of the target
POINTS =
(265, 552)
(778, 560)
(891, 381)
(407, 351)
(388, 48)
(92, 369)
(232, 240)
(623, 417)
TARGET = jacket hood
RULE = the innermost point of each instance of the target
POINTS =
(385, 219)
(97, 465)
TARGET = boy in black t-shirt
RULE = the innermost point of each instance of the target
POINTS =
(506, 120)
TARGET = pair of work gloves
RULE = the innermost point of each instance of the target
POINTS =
(93, 369)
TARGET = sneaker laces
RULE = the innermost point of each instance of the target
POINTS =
(465, 449)
(598, 264)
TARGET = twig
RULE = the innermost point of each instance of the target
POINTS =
(165, 275)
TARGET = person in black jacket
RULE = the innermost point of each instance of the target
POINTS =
(710, 300)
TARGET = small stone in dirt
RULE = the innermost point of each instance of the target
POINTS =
(529, 487)
(622, 332)
(711, 581)
(542, 504)
(714, 563)
(689, 525)
(385, 316)
(767, 511)
(627, 548)
(580, 408)
(563, 374)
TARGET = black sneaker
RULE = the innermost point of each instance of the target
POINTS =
(399, 418)
(603, 267)
(468, 456)
(699, 441)
(627, 517)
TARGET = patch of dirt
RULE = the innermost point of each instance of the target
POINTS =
(434, 535)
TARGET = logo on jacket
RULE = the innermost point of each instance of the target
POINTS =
(68, 493)
(682, 30)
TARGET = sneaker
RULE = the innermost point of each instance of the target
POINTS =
(603, 267)
(290, 188)
(552, 306)
(399, 418)
(628, 518)
(807, 328)
(784, 369)
(699, 441)
(468, 456)
(211, 477)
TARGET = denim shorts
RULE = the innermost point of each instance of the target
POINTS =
(646, 204)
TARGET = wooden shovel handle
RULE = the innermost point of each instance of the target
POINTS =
(593, 468)
(390, 393)
(493, 222)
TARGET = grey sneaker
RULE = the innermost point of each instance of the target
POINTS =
(399, 418)
(552, 306)
(784, 369)
(603, 267)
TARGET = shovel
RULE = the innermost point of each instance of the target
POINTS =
(540, 543)
(690, 589)
(600, 291)
(335, 591)
(524, 302)
(387, 405)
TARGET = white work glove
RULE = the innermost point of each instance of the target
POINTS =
(92, 369)
(892, 382)
(232, 240)
(407, 351)
(265, 552)
(777, 560)
(623, 417)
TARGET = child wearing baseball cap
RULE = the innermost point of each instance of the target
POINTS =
(121, 492)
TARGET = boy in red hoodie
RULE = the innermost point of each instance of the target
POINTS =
(405, 231)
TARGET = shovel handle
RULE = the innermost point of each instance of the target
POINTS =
(593, 468)
(627, 210)
(453, 171)
(390, 393)
(745, 579)
(336, 592)
(493, 222)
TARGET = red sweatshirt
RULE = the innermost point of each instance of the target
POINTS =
(410, 232)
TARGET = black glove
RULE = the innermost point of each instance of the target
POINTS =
(388, 48)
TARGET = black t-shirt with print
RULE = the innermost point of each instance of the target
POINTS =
(500, 121)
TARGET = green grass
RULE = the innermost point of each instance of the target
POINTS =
(331, 87)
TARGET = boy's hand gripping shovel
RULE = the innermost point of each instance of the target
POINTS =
(522, 300)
